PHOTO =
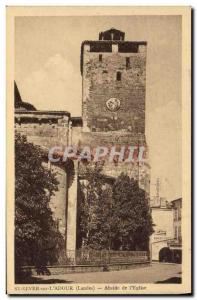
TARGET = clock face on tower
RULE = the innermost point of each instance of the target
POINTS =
(113, 104)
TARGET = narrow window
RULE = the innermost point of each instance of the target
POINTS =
(127, 62)
(100, 57)
(118, 76)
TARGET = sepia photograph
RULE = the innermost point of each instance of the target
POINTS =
(98, 186)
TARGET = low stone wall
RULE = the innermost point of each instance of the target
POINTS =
(66, 269)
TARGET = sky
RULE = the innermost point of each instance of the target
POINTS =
(47, 72)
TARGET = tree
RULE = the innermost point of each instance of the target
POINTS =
(37, 239)
(94, 211)
(115, 216)
(131, 211)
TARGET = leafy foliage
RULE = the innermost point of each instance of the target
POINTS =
(113, 216)
(37, 239)
(133, 218)
(94, 204)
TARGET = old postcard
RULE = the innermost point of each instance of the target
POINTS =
(98, 150)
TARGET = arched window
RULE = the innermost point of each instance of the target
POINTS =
(127, 62)
(118, 76)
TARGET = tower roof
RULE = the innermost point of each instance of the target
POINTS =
(112, 35)
(17, 96)
(19, 103)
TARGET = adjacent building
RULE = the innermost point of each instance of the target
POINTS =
(176, 245)
(163, 231)
(166, 241)
(177, 212)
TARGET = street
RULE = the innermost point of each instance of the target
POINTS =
(156, 273)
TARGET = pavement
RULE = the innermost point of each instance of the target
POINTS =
(155, 273)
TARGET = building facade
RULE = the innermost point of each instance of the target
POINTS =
(177, 211)
(163, 230)
(176, 245)
(166, 241)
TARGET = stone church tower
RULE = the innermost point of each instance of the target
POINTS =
(113, 80)
(113, 98)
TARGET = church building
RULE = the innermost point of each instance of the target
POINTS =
(113, 74)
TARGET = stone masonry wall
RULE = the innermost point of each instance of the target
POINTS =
(41, 131)
(47, 133)
(100, 84)
(126, 126)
